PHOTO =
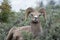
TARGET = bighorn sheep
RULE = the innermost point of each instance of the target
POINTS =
(35, 25)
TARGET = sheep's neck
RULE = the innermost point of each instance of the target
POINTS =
(35, 27)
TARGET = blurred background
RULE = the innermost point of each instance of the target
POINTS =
(12, 14)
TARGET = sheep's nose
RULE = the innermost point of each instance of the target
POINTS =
(35, 17)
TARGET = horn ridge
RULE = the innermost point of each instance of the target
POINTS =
(28, 11)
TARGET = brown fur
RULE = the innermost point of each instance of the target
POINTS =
(35, 27)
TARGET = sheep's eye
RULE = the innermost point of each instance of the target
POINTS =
(31, 14)
(40, 15)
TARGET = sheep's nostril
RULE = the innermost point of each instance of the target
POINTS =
(35, 17)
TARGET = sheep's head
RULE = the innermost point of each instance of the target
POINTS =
(34, 14)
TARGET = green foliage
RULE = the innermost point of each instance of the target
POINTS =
(52, 2)
(5, 10)
(41, 4)
(27, 35)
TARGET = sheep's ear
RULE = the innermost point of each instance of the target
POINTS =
(28, 11)
(43, 12)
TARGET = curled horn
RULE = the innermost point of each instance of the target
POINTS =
(28, 11)
(43, 12)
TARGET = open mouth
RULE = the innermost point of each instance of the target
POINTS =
(34, 21)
